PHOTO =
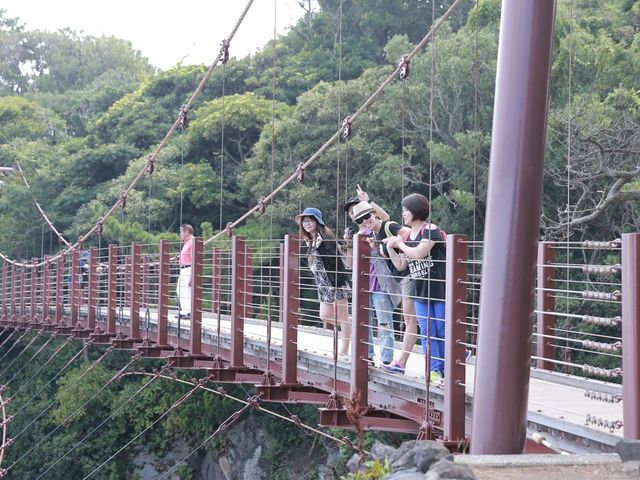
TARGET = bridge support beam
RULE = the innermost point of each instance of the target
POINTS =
(512, 226)
(631, 334)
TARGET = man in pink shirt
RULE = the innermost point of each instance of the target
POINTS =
(183, 289)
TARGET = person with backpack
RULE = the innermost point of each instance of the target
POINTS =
(349, 206)
(422, 251)
(383, 285)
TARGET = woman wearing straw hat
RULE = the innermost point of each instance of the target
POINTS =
(329, 273)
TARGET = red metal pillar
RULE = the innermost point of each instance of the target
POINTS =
(127, 280)
(512, 227)
(112, 288)
(164, 280)
(76, 279)
(360, 321)
(14, 281)
(23, 295)
(455, 331)
(546, 303)
(46, 289)
(281, 313)
(134, 290)
(33, 290)
(215, 280)
(59, 290)
(248, 281)
(238, 305)
(92, 288)
(631, 335)
(290, 308)
(197, 274)
(5, 280)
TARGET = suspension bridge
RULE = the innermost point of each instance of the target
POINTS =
(254, 320)
(254, 315)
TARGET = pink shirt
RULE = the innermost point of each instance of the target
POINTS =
(185, 253)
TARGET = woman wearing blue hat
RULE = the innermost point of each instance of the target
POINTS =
(329, 273)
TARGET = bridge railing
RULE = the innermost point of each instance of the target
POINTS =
(127, 294)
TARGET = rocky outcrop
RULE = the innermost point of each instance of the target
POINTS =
(416, 460)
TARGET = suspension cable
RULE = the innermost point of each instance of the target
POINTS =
(222, 56)
(78, 353)
(353, 117)
(135, 358)
(182, 399)
(55, 354)
(122, 405)
(42, 347)
(35, 337)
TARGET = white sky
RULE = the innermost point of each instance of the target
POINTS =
(166, 32)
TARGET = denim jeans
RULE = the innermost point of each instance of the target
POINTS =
(384, 313)
(434, 311)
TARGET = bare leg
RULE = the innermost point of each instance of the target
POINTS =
(342, 310)
(410, 331)
(328, 315)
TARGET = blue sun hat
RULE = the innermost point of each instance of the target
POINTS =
(310, 212)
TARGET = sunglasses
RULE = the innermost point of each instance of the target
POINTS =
(363, 218)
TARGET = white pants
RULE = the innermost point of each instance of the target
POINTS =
(183, 290)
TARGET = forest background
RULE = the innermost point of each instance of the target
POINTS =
(80, 114)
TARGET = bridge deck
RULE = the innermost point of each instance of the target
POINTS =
(558, 407)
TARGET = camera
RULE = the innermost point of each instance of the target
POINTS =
(349, 233)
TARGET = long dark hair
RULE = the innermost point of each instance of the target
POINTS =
(324, 231)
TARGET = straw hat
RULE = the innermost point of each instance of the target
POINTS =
(361, 209)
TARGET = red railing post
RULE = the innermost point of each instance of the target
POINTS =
(215, 280)
(23, 295)
(14, 281)
(46, 289)
(59, 290)
(134, 289)
(248, 281)
(92, 288)
(238, 305)
(112, 288)
(546, 303)
(281, 313)
(5, 279)
(454, 350)
(197, 274)
(290, 307)
(164, 280)
(33, 307)
(360, 321)
(631, 335)
(76, 279)
(127, 280)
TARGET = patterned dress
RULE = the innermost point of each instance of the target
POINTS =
(329, 272)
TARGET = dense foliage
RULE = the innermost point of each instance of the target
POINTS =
(82, 129)
(80, 115)
(71, 418)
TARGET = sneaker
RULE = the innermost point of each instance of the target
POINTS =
(394, 367)
(436, 378)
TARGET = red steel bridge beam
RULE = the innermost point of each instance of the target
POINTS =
(631, 334)
(512, 227)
